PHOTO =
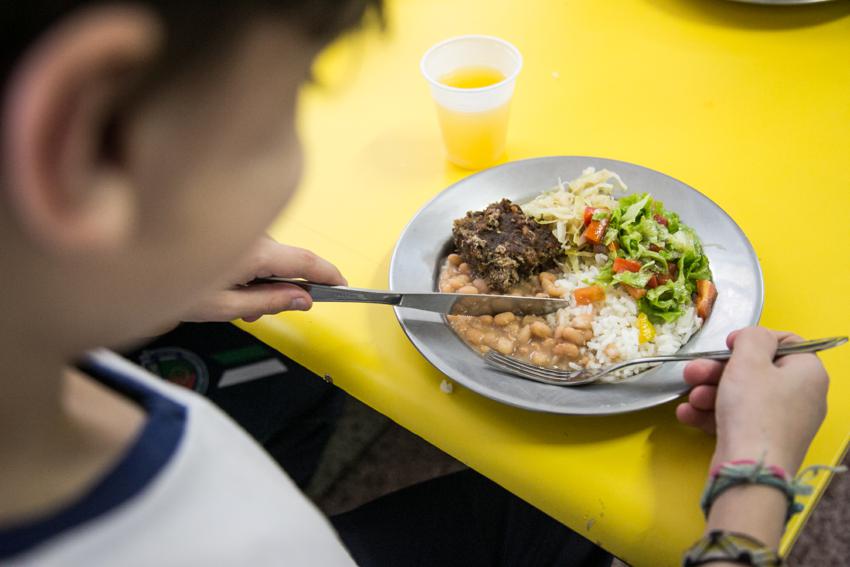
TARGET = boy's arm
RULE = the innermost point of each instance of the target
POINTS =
(760, 409)
(267, 258)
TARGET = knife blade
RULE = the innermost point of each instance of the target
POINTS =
(449, 303)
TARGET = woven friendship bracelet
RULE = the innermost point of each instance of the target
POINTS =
(731, 547)
(746, 471)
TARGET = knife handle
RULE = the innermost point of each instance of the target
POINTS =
(336, 293)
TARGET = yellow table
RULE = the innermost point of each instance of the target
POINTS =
(751, 105)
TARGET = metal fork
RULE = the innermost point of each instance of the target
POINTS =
(584, 376)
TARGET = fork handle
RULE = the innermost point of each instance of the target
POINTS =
(813, 345)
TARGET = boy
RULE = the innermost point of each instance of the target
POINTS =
(100, 220)
(131, 137)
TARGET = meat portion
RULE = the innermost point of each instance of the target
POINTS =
(503, 246)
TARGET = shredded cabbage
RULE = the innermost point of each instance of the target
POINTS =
(564, 206)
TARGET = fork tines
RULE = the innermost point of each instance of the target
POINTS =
(526, 369)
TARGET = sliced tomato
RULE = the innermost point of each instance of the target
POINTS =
(706, 296)
(613, 246)
(626, 265)
(595, 231)
(636, 292)
(588, 295)
(660, 219)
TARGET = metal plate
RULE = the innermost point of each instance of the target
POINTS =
(426, 240)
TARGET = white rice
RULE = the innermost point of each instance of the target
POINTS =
(615, 324)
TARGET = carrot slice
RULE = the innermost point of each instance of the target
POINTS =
(635, 292)
(625, 265)
(706, 296)
(589, 212)
(588, 295)
(595, 231)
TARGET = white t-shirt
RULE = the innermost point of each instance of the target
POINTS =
(193, 489)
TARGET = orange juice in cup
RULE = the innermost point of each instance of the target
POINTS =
(472, 80)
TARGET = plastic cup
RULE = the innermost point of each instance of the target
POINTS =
(474, 121)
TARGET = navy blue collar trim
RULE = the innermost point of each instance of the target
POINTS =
(157, 442)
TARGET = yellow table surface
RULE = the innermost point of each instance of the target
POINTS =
(750, 105)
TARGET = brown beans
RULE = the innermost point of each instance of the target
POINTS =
(574, 336)
(528, 337)
(540, 358)
(475, 337)
(582, 321)
(550, 289)
(524, 334)
(541, 330)
(612, 352)
(554, 290)
(567, 350)
(505, 345)
(481, 285)
(502, 319)
(459, 281)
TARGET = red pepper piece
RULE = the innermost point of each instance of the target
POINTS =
(626, 265)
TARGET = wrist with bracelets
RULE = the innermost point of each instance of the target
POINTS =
(742, 549)
(749, 472)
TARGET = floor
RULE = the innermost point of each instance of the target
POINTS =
(370, 456)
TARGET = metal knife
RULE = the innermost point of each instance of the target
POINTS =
(450, 303)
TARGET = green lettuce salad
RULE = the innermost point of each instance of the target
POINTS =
(653, 255)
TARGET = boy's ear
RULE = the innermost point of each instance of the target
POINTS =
(63, 188)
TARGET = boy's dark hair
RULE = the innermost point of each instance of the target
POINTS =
(193, 27)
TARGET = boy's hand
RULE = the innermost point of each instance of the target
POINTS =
(757, 406)
(268, 258)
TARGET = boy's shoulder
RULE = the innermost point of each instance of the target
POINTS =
(193, 488)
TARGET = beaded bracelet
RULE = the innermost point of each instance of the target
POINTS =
(746, 471)
(731, 547)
